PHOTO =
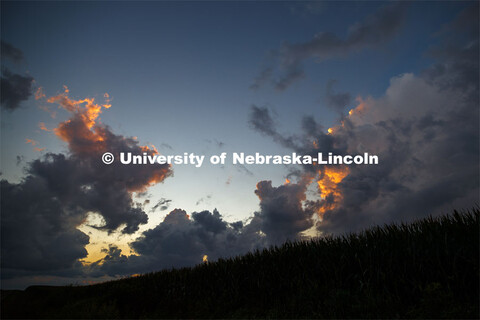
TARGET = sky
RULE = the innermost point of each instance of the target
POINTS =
(395, 79)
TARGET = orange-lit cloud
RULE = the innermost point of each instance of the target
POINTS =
(52, 113)
(359, 111)
(329, 178)
(32, 142)
(81, 127)
(86, 136)
(42, 126)
(150, 148)
(39, 94)
(360, 108)
(108, 188)
(107, 101)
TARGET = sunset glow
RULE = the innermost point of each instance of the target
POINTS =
(138, 137)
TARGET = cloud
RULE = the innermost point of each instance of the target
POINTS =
(10, 52)
(282, 216)
(20, 159)
(15, 89)
(217, 143)
(166, 146)
(181, 241)
(294, 72)
(424, 130)
(106, 189)
(261, 121)
(39, 94)
(40, 214)
(264, 76)
(38, 235)
(41, 126)
(336, 101)
(204, 199)
(32, 142)
(161, 205)
(242, 169)
(375, 30)
(429, 163)
(457, 55)
(314, 137)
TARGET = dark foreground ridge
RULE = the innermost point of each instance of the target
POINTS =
(425, 269)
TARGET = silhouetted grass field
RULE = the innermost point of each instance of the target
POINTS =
(425, 269)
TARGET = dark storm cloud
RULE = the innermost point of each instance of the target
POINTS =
(181, 241)
(15, 89)
(431, 147)
(282, 216)
(40, 214)
(83, 180)
(106, 189)
(426, 137)
(38, 231)
(375, 30)
(336, 101)
(424, 131)
(10, 52)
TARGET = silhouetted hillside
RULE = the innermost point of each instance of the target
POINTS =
(425, 269)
